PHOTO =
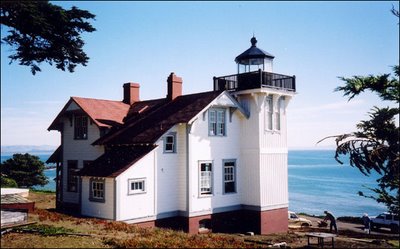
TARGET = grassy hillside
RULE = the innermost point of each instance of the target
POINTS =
(56, 230)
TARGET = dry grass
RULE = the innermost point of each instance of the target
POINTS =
(105, 234)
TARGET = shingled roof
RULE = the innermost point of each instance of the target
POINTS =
(146, 128)
(115, 161)
(134, 128)
(145, 122)
(104, 113)
(56, 157)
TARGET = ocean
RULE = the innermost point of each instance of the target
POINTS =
(316, 183)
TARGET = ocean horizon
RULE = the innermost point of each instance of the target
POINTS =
(317, 182)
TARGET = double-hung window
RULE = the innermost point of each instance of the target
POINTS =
(278, 113)
(97, 190)
(205, 178)
(80, 127)
(169, 143)
(229, 176)
(268, 113)
(72, 178)
(136, 186)
(273, 113)
(216, 122)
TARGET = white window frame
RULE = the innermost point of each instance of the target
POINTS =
(96, 193)
(72, 177)
(203, 179)
(173, 136)
(232, 175)
(269, 111)
(278, 113)
(217, 122)
(81, 129)
(140, 190)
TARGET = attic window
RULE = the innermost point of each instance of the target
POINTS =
(81, 127)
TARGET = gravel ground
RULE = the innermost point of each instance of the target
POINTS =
(358, 228)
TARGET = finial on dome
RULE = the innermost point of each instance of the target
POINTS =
(253, 41)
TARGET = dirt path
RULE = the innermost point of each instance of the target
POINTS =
(357, 228)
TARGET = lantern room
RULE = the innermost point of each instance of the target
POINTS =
(255, 70)
(254, 59)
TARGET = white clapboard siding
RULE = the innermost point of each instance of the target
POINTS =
(140, 205)
(171, 173)
(264, 154)
(250, 151)
(104, 209)
(274, 180)
(80, 150)
(216, 149)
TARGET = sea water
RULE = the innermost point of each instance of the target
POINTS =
(317, 182)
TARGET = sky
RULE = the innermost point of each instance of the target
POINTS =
(144, 42)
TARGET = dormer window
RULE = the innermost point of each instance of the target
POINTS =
(81, 127)
(216, 122)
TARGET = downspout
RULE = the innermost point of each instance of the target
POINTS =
(115, 199)
(80, 194)
(188, 188)
(61, 194)
(155, 184)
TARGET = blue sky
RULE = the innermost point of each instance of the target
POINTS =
(145, 41)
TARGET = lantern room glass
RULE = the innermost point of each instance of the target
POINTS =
(255, 64)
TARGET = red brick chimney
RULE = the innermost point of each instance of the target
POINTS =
(131, 93)
(174, 86)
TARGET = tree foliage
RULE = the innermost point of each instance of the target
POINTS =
(25, 169)
(43, 32)
(8, 182)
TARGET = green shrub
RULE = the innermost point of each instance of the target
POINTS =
(45, 191)
(47, 229)
(8, 182)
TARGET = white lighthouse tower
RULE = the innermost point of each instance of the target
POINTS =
(264, 154)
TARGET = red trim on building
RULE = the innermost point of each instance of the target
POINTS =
(274, 221)
(29, 206)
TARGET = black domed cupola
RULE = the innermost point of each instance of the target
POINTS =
(254, 59)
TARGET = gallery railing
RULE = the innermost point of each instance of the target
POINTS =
(256, 79)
